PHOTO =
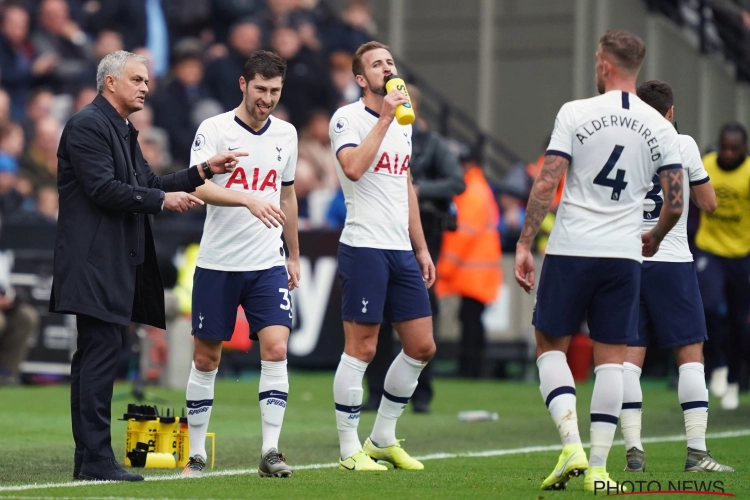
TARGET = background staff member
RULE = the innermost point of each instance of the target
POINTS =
(106, 271)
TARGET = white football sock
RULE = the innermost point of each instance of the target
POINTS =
(559, 394)
(347, 394)
(273, 390)
(606, 404)
(632, 406)
(400, 382)
(693, 394)
(200, 400)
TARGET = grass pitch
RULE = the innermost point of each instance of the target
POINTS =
(508, 458)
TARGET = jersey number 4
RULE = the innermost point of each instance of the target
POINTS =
(618, 183)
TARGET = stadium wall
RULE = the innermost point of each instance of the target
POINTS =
(542, 55)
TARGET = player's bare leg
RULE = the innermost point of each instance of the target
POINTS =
(360, 343)
(559, 394)
(200, 400)
(273, 390)
(400, 382)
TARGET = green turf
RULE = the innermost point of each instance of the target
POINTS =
(37, 445)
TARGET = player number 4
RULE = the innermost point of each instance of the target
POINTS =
(618, 183)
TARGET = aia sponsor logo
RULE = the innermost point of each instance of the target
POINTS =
(390, 164)
(239, 177)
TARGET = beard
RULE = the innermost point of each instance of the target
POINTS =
(253, 111)
(374, 89)
(730, 165)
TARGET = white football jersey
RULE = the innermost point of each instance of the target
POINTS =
(377, 205)
(674, 247)
(615, 143)
(233, 238)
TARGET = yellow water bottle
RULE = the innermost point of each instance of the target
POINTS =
(404, 112)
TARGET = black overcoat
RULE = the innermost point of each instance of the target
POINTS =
(105, 263)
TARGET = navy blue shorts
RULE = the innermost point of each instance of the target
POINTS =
(603, 289)
(264, 295)
(381, 283)
(671, 309)
(724, 284)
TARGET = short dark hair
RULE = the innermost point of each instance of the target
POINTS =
(657, 94)
(357, 67)
(266, 64)
(627, 48)
(734, 128)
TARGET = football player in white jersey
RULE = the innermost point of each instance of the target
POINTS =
(671, 308)
(611, 145)
(384, 264)
(241, 261)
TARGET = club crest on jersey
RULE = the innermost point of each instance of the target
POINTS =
(278, 150)
(198, 142)
(340, 125)
(239, 177)
(393, 168)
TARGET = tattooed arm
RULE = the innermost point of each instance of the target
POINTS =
(541, 196)
(672, 190)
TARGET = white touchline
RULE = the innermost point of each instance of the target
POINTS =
(432, 456)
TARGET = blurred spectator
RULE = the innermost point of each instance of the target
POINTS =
(59, 36)
(153, 80)
(732, 18)
(512, 215)
(39, 106)
(284, 14)
(355, 28)
(336, 215)
(5, 106)
(343, 78)
(19, 68)
(315, 147)
(107, 41)
(224, 13)
(222, 75)
(48, 204)
(11, 148)
(142, 23)
(39, 163)
(175, 103)
(84, 97)
(18, 322)
(308, 83)
(154, 141)
(469, 264)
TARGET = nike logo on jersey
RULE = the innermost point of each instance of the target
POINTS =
(233, 149)
(559, 471)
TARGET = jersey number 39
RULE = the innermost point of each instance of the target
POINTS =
(618, 183)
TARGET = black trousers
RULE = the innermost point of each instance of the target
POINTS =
(92, 379)
(378, 367)
(472, 338)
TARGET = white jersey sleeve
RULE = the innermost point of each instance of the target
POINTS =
(205, 143)
(674, 247)
(287, 176)
(692, 161)
(343, 131)
(563, 134)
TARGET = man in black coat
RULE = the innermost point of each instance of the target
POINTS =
(105, 264)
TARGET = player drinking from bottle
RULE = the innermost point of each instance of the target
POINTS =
(384, 264)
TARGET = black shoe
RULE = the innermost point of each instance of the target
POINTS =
(106, 470)
(372, 404)
(420, 406)
(77, 461)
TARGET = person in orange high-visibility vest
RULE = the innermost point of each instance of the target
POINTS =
(469, 263)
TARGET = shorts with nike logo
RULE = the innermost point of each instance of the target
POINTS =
(264, 296)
